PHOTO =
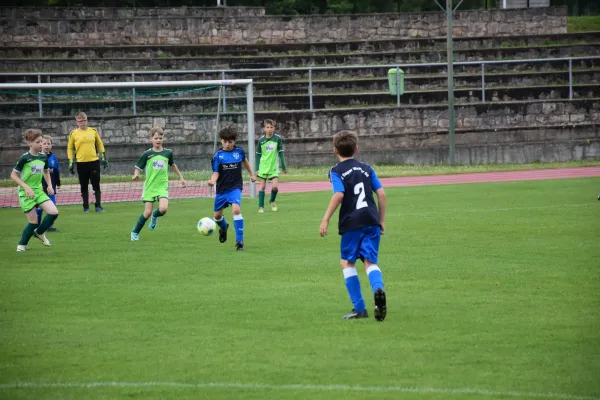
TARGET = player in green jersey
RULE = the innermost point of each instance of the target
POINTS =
(156, 162)
(28, 175)
(269, 149)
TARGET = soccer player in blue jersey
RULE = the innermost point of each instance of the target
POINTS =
(54, 169)
(227, 175)
(360, 223)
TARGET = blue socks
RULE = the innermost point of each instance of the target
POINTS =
(238, 224)
(221, 223)
(353, 287)
(375, 277)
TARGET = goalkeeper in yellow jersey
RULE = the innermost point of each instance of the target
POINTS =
(268, 151)
(85, 146)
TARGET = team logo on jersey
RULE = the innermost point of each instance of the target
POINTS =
(158, 164)
(270, 147)
(236, 155)
(37, 169)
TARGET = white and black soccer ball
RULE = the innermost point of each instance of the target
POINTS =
(206, 226)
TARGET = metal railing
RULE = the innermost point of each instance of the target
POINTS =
(229, 74)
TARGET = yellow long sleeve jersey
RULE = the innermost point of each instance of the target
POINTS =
(87, 144)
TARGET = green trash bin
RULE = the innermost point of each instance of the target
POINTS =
(395, 84)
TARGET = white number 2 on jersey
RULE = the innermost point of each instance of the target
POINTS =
(359, 189)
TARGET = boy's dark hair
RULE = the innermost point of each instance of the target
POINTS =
(268, 122)
(32, 134)
(228, 133)
(345, 143)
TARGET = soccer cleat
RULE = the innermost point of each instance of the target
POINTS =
(153, 222)
(223, 234)
(42, 238)
(52, 229)
(99, 209)
(86, 210)
(380, 305)
(135, 236)
(240, 246)
(273, 206)
(21, 248)
(356, 315)
(261, 210)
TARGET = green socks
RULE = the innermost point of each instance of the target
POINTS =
(27, 234)
(261, 199)
(140, 224)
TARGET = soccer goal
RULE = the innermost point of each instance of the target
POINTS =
(191, 113)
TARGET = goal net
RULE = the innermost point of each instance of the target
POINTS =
(191, 113)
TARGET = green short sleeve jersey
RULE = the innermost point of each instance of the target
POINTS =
(156, 164)
(32, 170)
(268, 149)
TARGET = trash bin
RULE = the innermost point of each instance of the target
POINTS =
(392, 81)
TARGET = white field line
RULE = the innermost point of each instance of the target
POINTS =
(308, 387)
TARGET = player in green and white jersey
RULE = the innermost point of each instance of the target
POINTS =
(28, 173)
(269, 149)
(156, 162)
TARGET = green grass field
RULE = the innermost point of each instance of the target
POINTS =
(590, 23)
(493, 292)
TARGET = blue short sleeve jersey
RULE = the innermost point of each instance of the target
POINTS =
(229, 166)
(357, 181)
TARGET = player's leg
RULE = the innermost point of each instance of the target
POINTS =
(238, 225)
(51, 214)
(135, 233)
(220, 204)
(83, 173)
(262, 184)
(274, 191)
(53, 200)
(349, 245)
(95, 179)
(28, 207)
(163, 205)
(369, 251)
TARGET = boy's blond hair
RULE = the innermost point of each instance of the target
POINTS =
(345, 143)
(47, 137)
(80, 115)
(154, 130)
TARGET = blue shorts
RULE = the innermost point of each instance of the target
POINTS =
(223, 200)
(361, 244)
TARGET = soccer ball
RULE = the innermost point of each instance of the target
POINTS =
(206, 226)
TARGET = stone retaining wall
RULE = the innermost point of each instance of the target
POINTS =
(134, 29)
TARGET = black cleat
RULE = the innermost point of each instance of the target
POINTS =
(223, 234)
(356, 315)
(380, 305)
(240, 246)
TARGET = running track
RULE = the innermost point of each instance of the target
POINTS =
(115, 192)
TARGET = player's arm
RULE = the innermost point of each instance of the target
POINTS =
(215, 175)
(381, 198)
(282, 157)
(101, 150)
(16, 177)
(249, 169)
(50, 189)
(56, 171)
(336, 200)
(139, 167)
(183, 183)
(258, 156)
(70, 152)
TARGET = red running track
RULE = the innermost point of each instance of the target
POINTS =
(8, 196)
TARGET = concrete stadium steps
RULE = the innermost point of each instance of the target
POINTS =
(208, 104)
(142, 61)
(333, 48)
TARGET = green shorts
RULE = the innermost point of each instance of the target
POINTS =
(152, 197)
(28, 204)
(267, 176)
